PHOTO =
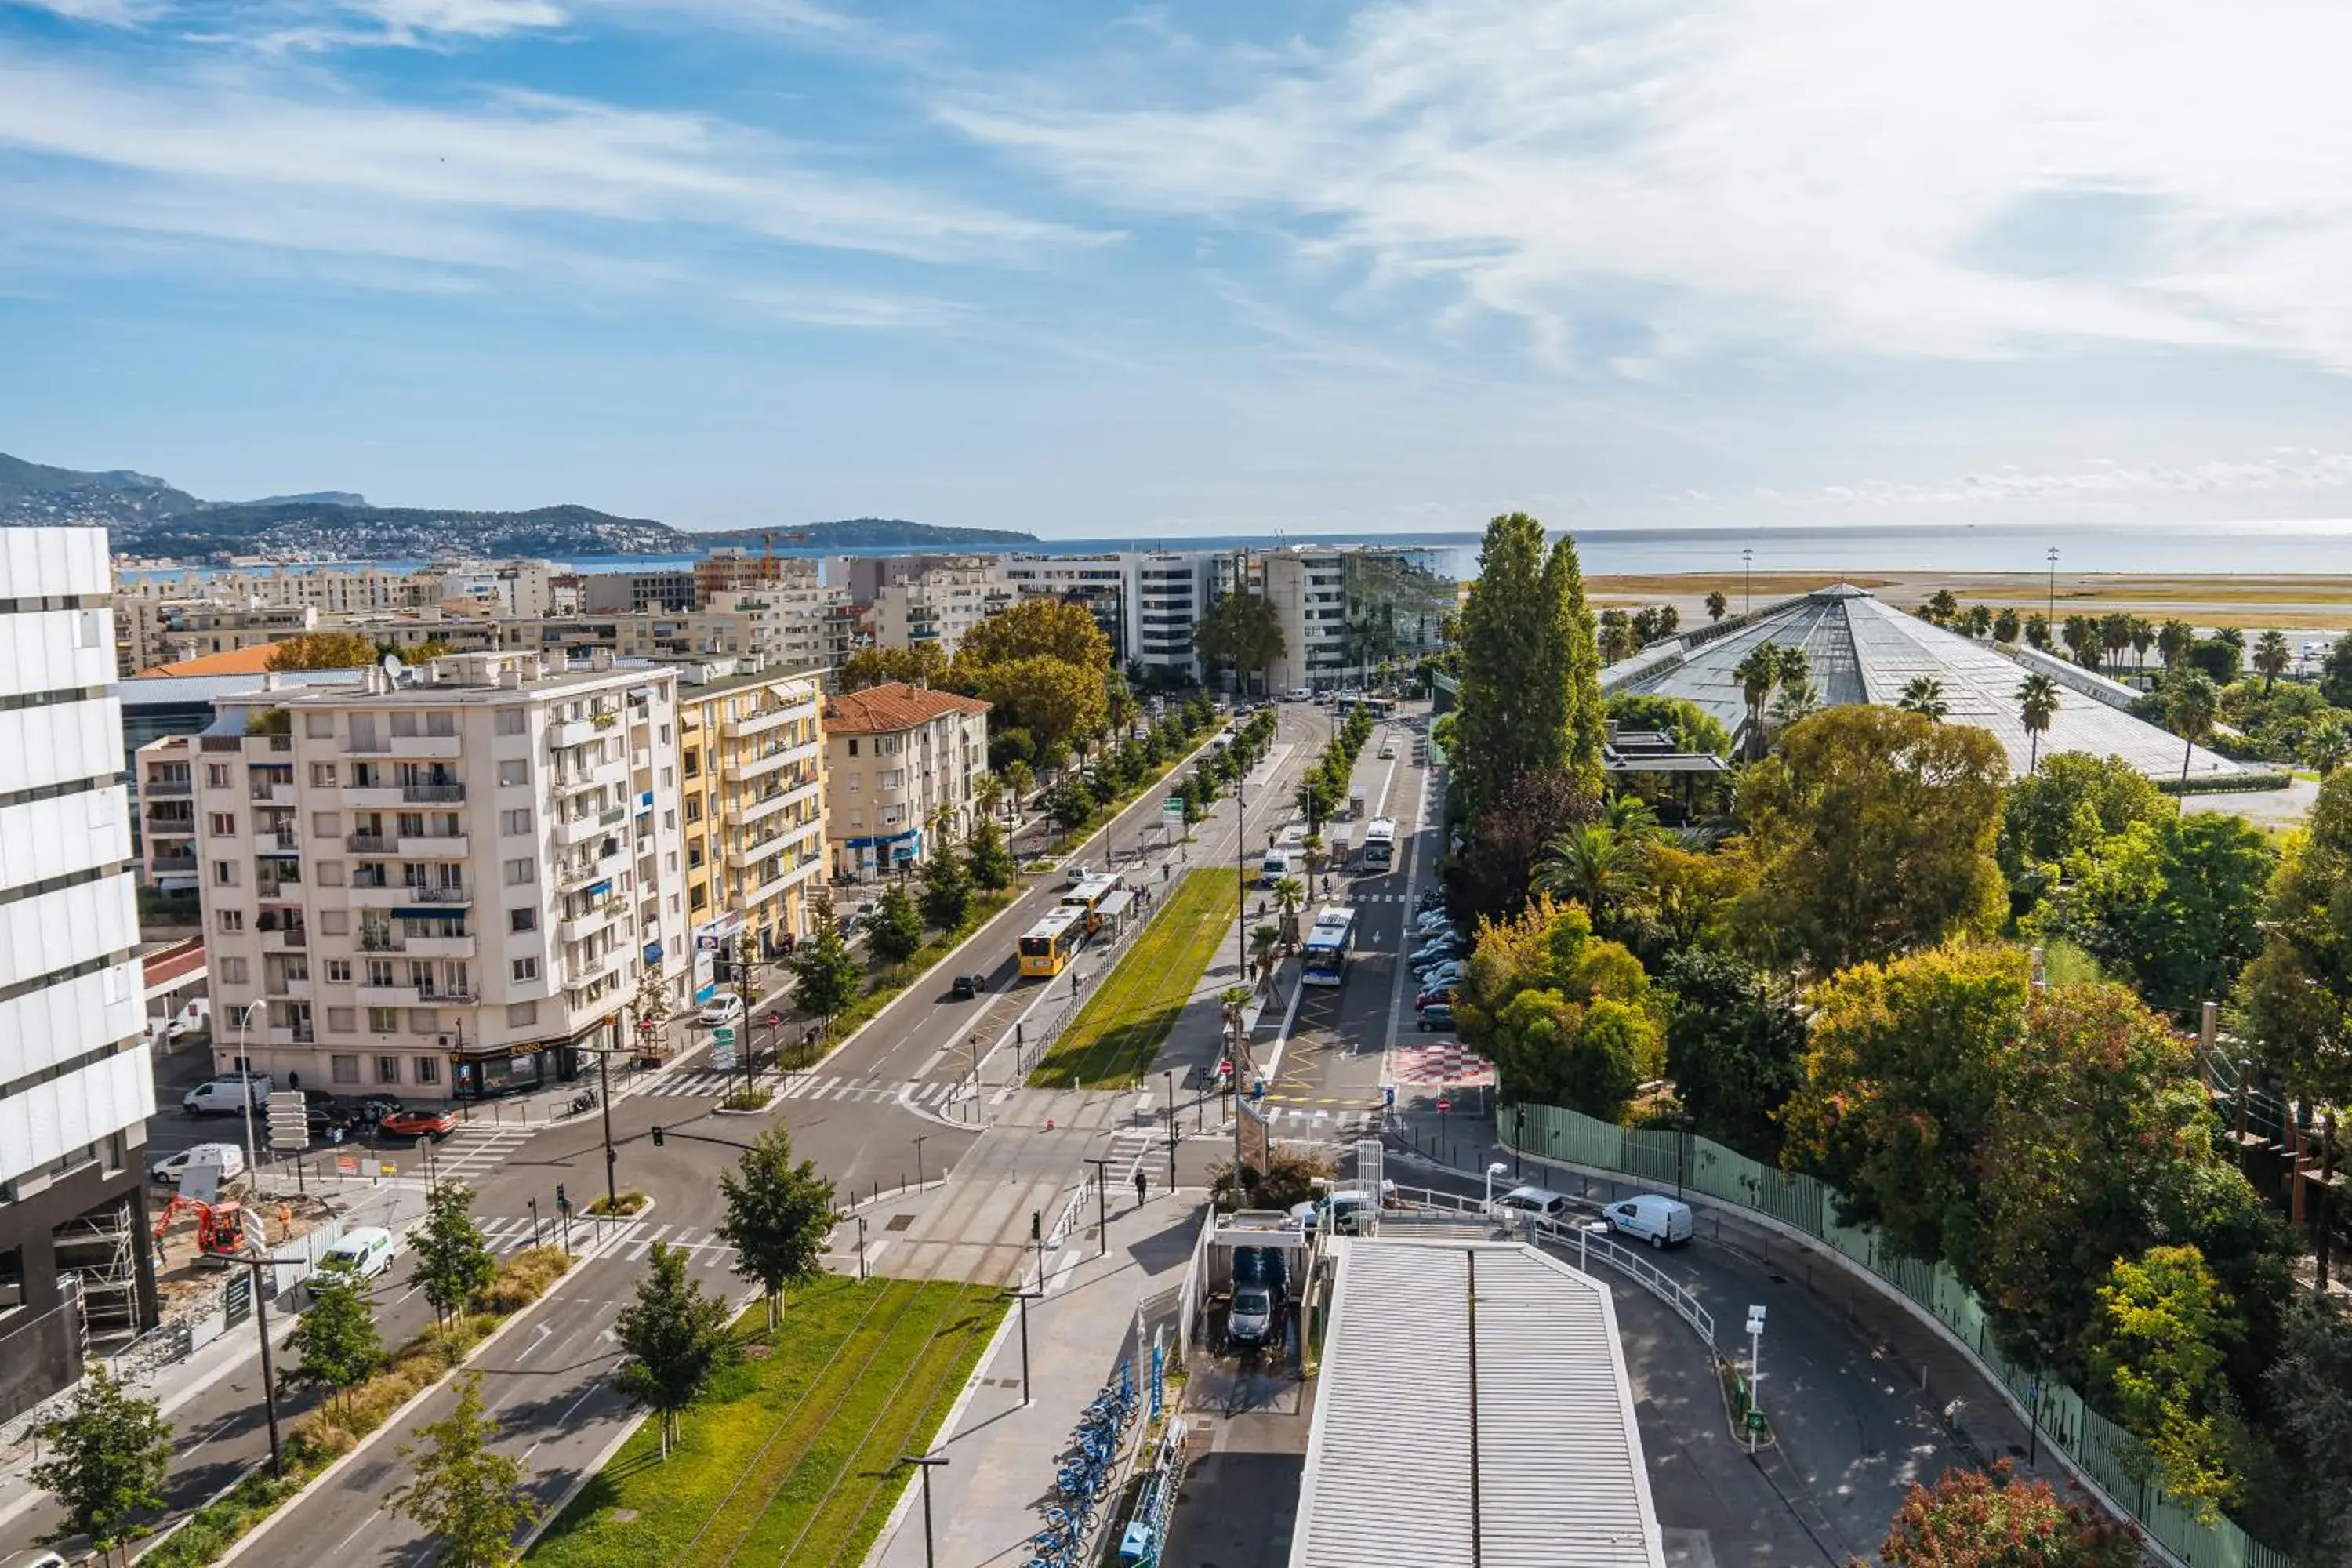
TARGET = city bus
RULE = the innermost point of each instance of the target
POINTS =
(1330, 942)
(1088, 893)
(1379, 853)
(1047, 947)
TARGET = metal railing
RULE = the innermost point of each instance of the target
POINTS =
(368, 843)
(432, 793)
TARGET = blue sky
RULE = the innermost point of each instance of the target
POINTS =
(1141, 271)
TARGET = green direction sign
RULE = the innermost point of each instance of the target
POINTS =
(722, 1035)
(723, 1049)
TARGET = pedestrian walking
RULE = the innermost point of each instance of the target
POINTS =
(1141, 1181)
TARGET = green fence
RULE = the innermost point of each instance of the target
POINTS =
(2111, 1457)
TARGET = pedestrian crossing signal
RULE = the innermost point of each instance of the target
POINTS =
(657, 1135)
(562, 1202)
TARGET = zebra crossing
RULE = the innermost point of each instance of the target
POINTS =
(475, 1146)
(629, 1240)
(711, 1084)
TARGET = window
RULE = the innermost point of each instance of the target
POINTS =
(224, 825)
(694, 808)
(318, 726)
(338, 973)
(224, 873)
(343, 1020)
(331, 873)
(326, 823)
(404, 723)
(232, 923)
(216, 775)
(334, 922)
(232, 971)
(428, 1069)
(522, 920)
(515, 822)
(856, 783)
(379, 971)
(12, 1280)
(522, 873)
(343, 1069)
(853, 745)
(891, 778)
(422, 1020)
(322, 775)
(387, 1069)
(524, 968)
(511, 722)
(514, 773)
(700, 894)
(382, 1020)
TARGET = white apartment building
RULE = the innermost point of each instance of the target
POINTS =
(446, 889)
(926, 599)
(1343, 610)
(899, 761)
(76, 1085)
(1146, 601)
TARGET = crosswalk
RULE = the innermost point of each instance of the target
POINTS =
(629, 1240)
(475, 1147)
(711, 1084)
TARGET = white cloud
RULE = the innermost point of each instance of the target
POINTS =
(1824, 172)
(107, 13)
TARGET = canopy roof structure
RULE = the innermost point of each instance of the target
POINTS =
(1861, 650)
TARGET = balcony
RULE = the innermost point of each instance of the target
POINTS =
(433, 794)
(263, 792)
(760, 724)
(166, 789)
(286, 939)
(166, 865)
(781, 757)
(379, 895)
(791, 875)
(439, 895)
(436, 846)
(388, 996)
(438, 946)
(587, 973)
(579, 732)
(783, 800)
(581, 829)
(283, 839)
(369, 844)
(580, 927)
(427, 745)
(291, 1035)
(289, 988)
(641, 759)
(374, 941)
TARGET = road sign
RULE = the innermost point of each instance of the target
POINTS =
(723, 1049)
(289, 1122)
(1443, 1104)
(775, 1020)
(1172, 813)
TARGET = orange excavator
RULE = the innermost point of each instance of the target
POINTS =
(220, 1226)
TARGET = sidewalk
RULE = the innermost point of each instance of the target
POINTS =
(990, 1496)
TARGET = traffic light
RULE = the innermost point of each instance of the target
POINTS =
(562, 1203)
(657, 1135)
(1036, 1224)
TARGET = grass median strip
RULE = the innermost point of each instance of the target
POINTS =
(791, 1455)
(1115, 1037)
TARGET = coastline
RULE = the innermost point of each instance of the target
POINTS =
(2284, 601)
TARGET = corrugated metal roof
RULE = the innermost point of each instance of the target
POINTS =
(1862, 650)
(1561, 1482)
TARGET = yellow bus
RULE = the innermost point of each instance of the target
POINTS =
(1088, 893)
(1047, 947)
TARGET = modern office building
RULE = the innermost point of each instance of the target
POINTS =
(76, 1085)
(1097, 583)
(630, 593)
(901, 763)
(1344, 611)
(445, 888)
(751, 775)
(1146, 601)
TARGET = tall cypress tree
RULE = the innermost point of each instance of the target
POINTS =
(1574, 665)
(1501, 727)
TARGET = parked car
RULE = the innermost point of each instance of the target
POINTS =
(1432, 922)
(1430, 899)
(1431, 996)
(968, 986)
(1649, 1217)
(1539, 1202)
(1387, 751)
(33, 1557)
(362, 1253)
(1261, 1288)
(167, 1170)
(228, 1095)
(195, 1018)
(1436, 1016)
(1444, 944)
(1442, 975)
(727, 1010)
(407, 1123)
(329, 1123)
(368, 1110)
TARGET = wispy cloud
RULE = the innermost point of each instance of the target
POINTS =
(1814, 172)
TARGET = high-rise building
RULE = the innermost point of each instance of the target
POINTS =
(752, 770)
(901, 766)
(76, 1085)
(1346, 611)
(609, 593)
(444, 888)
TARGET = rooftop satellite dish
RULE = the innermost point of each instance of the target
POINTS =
(392, 668)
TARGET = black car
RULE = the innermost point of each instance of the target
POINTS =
(968, 986)
(1430, 899)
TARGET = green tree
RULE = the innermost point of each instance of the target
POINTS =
(2174, 902)
(1980, 621)
(2115, 635)
(2325, 743)
(1975, 1520)
(2272, 658)
(1568, 1019)
(1716, 605)
(1758, 673)
(454, 1263)
(1593, 864)
(1069, 804)
(988, 857)
(1018, 779)
(825, 973)
(2215, 659)
(1530, 695)
(1873, 831)
(2295, 1000)
(1037, 628)
(468, 1496)
(1692, 726)
(1735, 1052)
(2158, 1355)
(778, 1216)
(2310, 1385)
(924, 664)
(2071, 805)
(1924, 697)
(2037, 631)
(1056, 701)
(336, 1339)
(2173, 641)
(1240, 632)
(1289, 898)
(2037, 704)
(1941, 607)
(673, 1337)
(895, 931)
(108, 1455)
(322, 650)
(2005, 626)
(2191, 705)
(947, 889)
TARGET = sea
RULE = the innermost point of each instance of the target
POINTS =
(2252, 548)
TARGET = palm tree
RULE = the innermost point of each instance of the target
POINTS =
(1716, 605)
(1591, 864)
(1264, 942)
(2272, 657)
(2142, 638)
(1925, 696)
(1798, 697)
(2037, 631)
(2115, 635)
(1758, 674)
(2324, 745)
(1290, 894)
(987, 793)
(2190, 707)
(2037, 704)
(1979, 620)
(1018, 779)
(2005, 626)
(1631, 819)
(2173, 641)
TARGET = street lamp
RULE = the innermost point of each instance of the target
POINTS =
(920, 1139)
(925, 1463)
(1755, 1371)
(245, 1083)
(1492, 1170)
(1024, 1296)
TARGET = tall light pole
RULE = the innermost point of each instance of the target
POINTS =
(1747, 577)
(2053, 585)
(1024, 1296)
(245, 1083)
(1102, 1198)
(925, 1463)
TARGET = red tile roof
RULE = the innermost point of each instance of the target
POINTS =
(228, 661)
(893, 705)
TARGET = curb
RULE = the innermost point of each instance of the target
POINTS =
(947, 1427)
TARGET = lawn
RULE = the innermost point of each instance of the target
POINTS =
(1112, 1041)
(792, 1456)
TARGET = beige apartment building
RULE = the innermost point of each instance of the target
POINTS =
(928, 599)
(901, 763)
(752, 770)
(442, 889)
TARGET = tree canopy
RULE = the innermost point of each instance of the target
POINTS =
(1530, 694)
(322, 650)
(1037, 628)
(2070, 805)
(1972, 1519)
(1567, 1018)
(778, 1216)
(1240, 632)
(1056, 699)
(2295, 1000)
(924, 664)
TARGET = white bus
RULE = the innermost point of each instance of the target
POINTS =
(1329, 943)
(1379, 853)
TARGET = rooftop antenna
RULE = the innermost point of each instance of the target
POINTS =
(392, 668)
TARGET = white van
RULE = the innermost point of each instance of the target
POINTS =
(1273, 867)
(227, 1095)
(1538, 1203)
(1660, 1221)
(227, 1157)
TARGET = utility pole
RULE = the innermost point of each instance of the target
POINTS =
(1747, 575)
(925, 1463)
(1024, 1298)
(1102, 1198)
(269, 1366)
(604, 1103)
(2053, 589)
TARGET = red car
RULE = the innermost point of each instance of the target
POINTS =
(433, 1124)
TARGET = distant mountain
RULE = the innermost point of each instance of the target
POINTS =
(146, 516)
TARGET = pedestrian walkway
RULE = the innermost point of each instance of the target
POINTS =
(475, 1146)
